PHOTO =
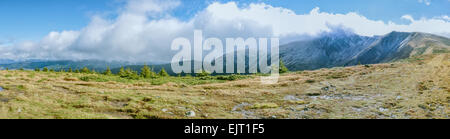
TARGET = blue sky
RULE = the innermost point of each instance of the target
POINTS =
(33, 19)
(143, 30)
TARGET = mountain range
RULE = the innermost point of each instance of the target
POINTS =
(347, 49)
(334, 49)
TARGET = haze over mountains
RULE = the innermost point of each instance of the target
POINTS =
(345, 49)
(338, 48)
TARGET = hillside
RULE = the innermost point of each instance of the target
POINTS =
(417, 87)
(341, 48)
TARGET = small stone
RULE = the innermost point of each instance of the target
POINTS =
(290, 97)
(164, 110)
(190, 114)
(205, 115)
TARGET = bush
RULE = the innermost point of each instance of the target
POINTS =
(202, 74)
(231, 77)
(37, 69)
(45, 69)
(227, 77)
(128, 73)
(93, 78)
(86, 78)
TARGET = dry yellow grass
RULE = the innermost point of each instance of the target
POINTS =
(414, 88)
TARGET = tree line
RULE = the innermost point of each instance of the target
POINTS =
(146, 72)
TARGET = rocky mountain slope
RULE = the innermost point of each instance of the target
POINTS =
(346, 49)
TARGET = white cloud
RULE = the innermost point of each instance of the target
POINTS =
(426, 2)
(143, 30)
(408, 17)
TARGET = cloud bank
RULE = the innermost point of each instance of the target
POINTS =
(143, 30)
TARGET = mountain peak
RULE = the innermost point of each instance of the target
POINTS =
(343, 48)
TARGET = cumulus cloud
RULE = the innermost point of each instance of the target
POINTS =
(143, 30)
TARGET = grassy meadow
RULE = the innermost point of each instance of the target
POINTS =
(418, 87)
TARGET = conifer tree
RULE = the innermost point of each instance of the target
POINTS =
(108, 71)
(45, 69)
(130, 74)
(146, 72)
(283, 68)
(163, 73)
(122, 72)
(70, 70)
(85, 70)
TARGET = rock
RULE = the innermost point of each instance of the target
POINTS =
(4, 100)
(190, 114)
(240, 107)
(164, 110)
(205, 115)
(291, 98)
(382, 109)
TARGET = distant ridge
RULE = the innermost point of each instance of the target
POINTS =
(335, 49)
(338, 49)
